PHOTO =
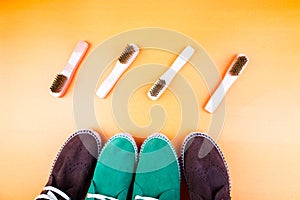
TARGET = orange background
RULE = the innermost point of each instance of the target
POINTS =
(260, 138)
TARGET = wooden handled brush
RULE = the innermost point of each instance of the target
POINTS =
(63, 79)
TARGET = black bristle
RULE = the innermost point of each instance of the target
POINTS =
(159, 85)
(126, 54)
(238, 65)
(58, 83)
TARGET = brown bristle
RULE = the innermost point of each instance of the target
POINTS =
(126, 54)
(58, 83)
(238, 65)
(159, 85)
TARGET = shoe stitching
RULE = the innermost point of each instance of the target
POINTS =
(124, 136)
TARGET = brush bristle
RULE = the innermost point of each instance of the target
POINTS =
(58, 83)
(159, 85)
(126, 54)
(238, 65)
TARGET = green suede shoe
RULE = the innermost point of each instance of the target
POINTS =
(114, 170)
(157, 173)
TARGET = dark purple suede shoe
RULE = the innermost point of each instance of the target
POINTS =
(73, 167)
(204, 168)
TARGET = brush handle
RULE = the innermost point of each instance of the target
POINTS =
(176, 66)
(111, 80)
(219, 94)
(184, 56)
(75, 58)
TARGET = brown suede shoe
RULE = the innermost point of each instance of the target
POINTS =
(73, 167)
(205, 169)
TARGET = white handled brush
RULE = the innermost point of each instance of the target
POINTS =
(127, 57)
(234, 71)
(163, 82)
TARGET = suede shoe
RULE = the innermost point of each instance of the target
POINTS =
(73, 167)
(205, 170)
(114, 170)
(157, 174)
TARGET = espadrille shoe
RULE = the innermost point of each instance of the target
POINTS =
(114, 170)
(157, 174)
(73, 167)
(205, 169)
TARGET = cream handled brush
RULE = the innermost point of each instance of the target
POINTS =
(163, 82)
(126, 58)
(234, 71)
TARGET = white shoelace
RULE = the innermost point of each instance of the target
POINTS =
(50, 194)
(99, 196)
(137, 197)
(103, 197)
(51, 190)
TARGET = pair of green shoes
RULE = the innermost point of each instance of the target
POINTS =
(121, 174)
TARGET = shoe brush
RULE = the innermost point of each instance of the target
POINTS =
(126, 58)
(163, 82)
(234, 71)
(63, 79)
